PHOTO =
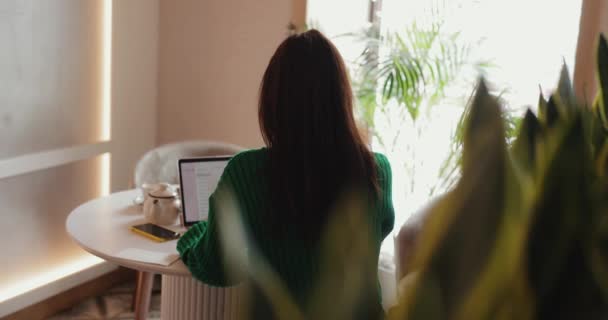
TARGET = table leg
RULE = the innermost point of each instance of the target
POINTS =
(186, 298)
(143, 294)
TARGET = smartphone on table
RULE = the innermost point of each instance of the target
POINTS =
(155, 232)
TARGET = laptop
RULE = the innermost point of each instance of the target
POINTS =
(198, 178)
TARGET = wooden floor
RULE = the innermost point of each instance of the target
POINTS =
(113, 304)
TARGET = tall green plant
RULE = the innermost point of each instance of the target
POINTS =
(524, 234)
(449, 172)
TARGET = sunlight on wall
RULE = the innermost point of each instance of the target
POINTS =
(105, 174)
(106, 117)
(21, 286)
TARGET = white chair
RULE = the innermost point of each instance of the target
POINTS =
(160, 165)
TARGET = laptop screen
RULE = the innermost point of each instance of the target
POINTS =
(198, 179)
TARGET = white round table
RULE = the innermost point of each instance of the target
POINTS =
(101, 227)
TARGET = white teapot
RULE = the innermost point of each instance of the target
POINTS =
(161, 204)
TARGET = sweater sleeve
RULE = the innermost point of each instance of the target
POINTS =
(201, 247)
(387, 210)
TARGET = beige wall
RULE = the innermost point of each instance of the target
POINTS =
(134, 86)
(212, 57)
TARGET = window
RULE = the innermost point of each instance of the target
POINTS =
(519, 47)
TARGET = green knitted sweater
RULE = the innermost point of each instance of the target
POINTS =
(294, 260)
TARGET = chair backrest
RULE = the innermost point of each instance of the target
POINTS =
(160, 164)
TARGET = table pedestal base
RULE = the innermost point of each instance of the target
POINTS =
(186, 298)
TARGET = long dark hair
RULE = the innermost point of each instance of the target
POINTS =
(306, 117)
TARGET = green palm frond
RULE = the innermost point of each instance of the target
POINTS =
(413, 66)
